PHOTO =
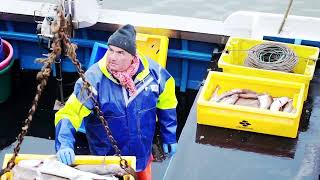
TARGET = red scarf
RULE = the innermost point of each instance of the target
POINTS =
(125, 77)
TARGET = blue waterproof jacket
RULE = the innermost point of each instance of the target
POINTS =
(132, 120)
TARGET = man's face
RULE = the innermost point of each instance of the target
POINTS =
(118, 59)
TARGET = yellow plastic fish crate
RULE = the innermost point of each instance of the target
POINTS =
(153, 46)
(232, 61)
(79, 159)
(250, 118)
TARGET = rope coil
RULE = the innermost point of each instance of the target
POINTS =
(272, 56)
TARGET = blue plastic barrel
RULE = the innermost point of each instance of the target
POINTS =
(1, 50)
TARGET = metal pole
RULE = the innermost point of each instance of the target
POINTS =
(285, 16)
(59, 79)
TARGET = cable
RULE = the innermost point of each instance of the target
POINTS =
(272, 56)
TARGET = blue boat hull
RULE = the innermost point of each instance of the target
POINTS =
(187, 61)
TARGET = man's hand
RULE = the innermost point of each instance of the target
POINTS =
(171, 147)
(66, 156)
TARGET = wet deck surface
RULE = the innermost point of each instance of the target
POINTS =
(207, 152)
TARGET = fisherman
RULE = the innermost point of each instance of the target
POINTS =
(132, 90)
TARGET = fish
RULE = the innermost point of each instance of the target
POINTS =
(52, 169)
(248, 91)
(215, 96)
(229, 93)
(22, 173)
(249, 96)
(294, 110)
(234, 91)
(248, 102)
(278, 103)
(102, 169)
(265, 101)
(231, 99)
(288, 107)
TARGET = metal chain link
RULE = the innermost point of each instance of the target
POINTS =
(71, 48)
(71, 53)
(60, 29)
(42, 77)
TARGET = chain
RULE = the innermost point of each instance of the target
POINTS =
(42, 77)
(61, 31)
(71, 53)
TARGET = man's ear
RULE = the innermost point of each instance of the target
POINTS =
(132, 57)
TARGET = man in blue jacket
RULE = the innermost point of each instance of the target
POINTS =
(132, 90)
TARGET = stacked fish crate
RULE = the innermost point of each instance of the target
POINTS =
(258, 99)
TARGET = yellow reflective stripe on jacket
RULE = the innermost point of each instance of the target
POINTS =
(74, 111)
(167, 99)
(145, 71)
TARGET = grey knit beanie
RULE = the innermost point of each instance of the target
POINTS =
(124, 38)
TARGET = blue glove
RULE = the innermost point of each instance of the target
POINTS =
(66, 156)
(173, 148)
